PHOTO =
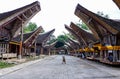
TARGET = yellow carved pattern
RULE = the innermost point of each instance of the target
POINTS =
(110, 48)
(16, 43)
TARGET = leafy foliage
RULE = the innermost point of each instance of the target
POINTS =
(61, 40)
(82, 25)
(31, 27)
(59, 44)
(69, 35)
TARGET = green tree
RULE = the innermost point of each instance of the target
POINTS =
(61, 40)
(59, 44)
(82, 25)
(69, 35)
(30, 27)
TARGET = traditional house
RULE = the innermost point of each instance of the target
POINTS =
(88, 39)
(50, 49)
(12, 22)
(74, 42)
(28, 43)
(42, 40)
(75, 35)
(70, 49)
(81, 43)
(106, 31)
(75, 45)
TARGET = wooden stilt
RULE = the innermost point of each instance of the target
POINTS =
(49, 51)
(35, 48)
(118, 55)
(41, 51)
(20, 49)
(54, 52)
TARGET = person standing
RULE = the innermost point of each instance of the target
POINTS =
(63, 60)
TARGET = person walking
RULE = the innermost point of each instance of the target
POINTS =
(63, 60)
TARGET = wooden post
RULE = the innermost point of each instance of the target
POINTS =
(3, 47)
(41, 51)
(105, 55)
(49, 51)
(21, 40)
(25, 50)
(101, 55)
(114, 51)
(6, 48)
(35, 48)
(54, 51)
(29, 51)
(0, 48)
(20, 51)
(119, 54)
(115, 56)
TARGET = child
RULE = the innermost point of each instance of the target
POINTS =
(63, 61)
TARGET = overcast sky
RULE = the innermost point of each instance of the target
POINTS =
(56, 13)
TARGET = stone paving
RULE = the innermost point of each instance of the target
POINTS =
(76, 68)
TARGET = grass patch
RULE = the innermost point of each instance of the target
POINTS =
(5, 64)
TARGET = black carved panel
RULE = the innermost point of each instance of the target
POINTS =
(4, 35)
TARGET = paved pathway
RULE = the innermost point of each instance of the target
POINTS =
(52, 68)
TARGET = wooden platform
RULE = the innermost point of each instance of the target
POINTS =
(92, 58)
(8, 55)
(110, 63)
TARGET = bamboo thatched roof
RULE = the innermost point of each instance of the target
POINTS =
(17, 11)
(12, 21)
(100, 26)
(86, 36)
(43, 37)
(28, 38)
(69, 46)
(74, 34)
(74, 41)
(52, 45)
